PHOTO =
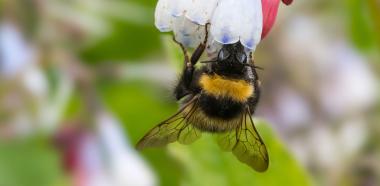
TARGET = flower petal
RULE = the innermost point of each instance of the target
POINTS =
(225, 23)
(179, 7)
(235, 20)
(287, 2)
(213, 47)
(200, 11)
(252, 24)
(270, 8)
(163, 18)
(187, 32)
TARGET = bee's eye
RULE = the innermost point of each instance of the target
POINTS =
(241, 57)
(223, 54)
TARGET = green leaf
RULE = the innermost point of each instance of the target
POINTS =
(126, 42)
(132, 36)
(360, 25)
(29, 163)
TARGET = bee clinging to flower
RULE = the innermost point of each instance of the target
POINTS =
(219, 98)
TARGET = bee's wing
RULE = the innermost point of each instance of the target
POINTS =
(246, 144)
(176, 128)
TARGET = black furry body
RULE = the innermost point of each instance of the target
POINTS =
(221, 109)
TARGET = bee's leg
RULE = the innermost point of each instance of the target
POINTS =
(184, 86)
(201, 48)
(187, 59)
(254, 100)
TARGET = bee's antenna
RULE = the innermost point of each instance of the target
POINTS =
(254, 66)
(257, 67)
(252, 62)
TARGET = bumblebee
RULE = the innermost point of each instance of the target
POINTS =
(220, 98)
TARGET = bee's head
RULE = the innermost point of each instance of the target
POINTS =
(231, 60)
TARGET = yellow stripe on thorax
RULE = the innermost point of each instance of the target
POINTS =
(238, 90)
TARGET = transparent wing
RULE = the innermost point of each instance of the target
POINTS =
(246, 144)
(176, 128)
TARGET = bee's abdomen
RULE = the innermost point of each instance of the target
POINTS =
(220, 108)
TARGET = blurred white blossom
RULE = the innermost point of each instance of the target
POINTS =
(325, 97)
(28, 84)
(102, 157)
(125, 165)
(15, 53)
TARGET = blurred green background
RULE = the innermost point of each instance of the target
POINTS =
(95, 56)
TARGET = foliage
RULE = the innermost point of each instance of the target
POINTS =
(31, 163)
(206, 164)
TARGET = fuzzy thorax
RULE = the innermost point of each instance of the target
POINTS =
(218, 86)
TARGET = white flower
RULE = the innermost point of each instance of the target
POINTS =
(231, 20)
(126, 167)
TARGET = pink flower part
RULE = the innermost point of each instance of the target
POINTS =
(270, 8)
(287, 2)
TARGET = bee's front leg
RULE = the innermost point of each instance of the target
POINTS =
(184, 85)
(201, 47)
